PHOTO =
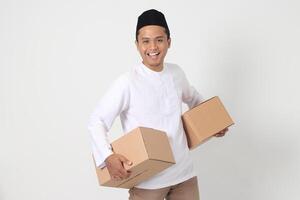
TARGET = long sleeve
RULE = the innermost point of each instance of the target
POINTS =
(114, 102)
(190, 95)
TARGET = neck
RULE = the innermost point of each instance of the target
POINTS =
(158, 68)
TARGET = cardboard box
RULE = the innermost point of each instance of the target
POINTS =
(148, 149)
(204, 121)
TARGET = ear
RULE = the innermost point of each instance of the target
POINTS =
(136, 44)
(169, 42)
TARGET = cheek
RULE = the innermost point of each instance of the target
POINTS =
(164, 47)
(164, 50)
(142, 49)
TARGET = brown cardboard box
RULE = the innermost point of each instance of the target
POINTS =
(147, 148)
(204, 121)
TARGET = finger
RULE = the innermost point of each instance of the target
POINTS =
(128, 174)
(123, 173)
(223, 131)
(119, 170)
(117, 175)
(125, 160)
(116, 178)
(220, 134)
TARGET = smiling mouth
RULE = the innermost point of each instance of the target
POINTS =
(153, 55)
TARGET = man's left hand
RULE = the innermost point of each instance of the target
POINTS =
(221, 133)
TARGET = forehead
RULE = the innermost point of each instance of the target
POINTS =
(152, 31)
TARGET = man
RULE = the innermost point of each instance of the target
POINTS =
(150, 95)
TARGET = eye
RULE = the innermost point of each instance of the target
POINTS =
(160, 40)
(145, 41)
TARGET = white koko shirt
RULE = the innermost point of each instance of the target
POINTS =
(143, 97)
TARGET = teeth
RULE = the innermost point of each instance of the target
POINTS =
(153, 54)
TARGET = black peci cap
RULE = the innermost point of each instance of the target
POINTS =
(152, 17)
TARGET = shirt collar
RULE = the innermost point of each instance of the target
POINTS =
(151, 72)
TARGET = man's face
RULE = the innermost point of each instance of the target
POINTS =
(153, 46)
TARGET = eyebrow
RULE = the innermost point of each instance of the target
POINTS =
(145, 38)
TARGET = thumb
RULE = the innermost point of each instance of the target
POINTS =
(125, 160)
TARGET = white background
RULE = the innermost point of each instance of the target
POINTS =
(57, 58)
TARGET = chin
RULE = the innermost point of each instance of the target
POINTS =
(156, 64)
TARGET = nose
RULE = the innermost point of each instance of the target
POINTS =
(153, 45)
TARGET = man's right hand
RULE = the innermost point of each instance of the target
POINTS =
(115, 165)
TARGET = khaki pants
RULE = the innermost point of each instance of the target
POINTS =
(187, 190)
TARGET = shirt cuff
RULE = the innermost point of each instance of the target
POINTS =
(99, 160)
